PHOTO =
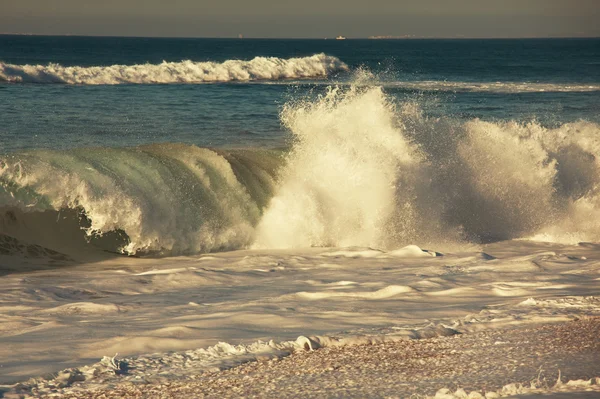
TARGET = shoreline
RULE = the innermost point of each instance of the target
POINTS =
(182, 317)
(492, 363)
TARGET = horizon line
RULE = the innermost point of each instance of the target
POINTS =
(370, 37)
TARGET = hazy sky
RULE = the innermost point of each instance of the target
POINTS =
(308, 18)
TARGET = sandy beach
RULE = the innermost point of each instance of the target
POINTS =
(483, 364)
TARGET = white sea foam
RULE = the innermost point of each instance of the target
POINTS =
(259, 68)
(365, 171)
(193, 305)
(338, 186)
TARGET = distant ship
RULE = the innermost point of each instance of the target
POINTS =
(340, 38)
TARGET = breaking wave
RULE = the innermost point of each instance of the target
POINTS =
(259, 68)
(161, 198)
(368, 171)
(363, 170)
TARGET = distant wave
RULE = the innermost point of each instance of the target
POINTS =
(495, 87)
(480, 87)
(259, 68)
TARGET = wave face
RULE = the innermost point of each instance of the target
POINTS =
(363, 170)
(163, 198)
(259, 68)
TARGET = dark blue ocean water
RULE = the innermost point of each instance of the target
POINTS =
(550, 81)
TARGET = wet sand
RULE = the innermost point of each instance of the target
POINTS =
(485, 362)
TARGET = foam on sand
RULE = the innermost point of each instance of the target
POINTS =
(360, 366)
(137, 306)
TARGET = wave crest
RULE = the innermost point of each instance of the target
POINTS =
(259, 68)
(163, 198)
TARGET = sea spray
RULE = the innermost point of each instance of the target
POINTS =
(259, 68)
(338, 187)
(576, 149)
(504, 181)
(507, 180)
(365, 171)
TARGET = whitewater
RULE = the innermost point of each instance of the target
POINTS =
(259, 68)
(304, 227)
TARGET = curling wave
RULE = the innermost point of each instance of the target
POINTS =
(160, 199)
(259, 68)
(363, 170)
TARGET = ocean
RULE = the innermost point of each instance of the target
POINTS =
(128, 128)
(161, 194)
